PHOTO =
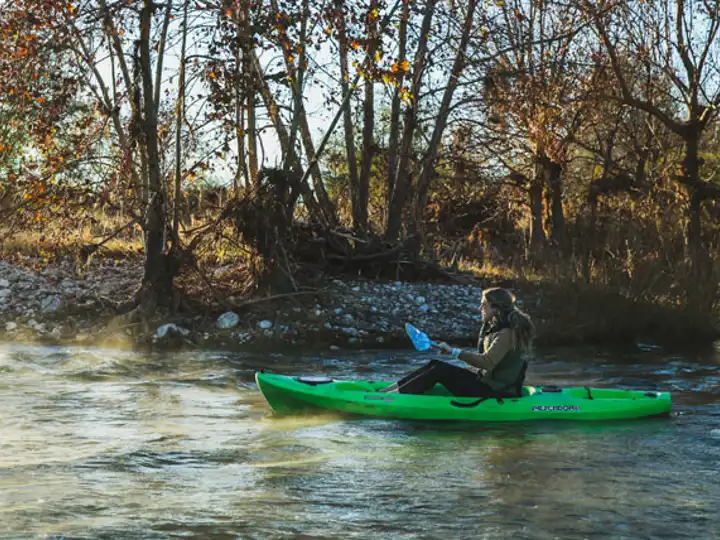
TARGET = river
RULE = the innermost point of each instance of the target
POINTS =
(102, 443)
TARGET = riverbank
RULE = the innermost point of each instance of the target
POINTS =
(51, 304)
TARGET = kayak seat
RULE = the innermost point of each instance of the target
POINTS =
(516, 388)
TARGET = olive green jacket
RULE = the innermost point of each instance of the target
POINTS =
(501, 360)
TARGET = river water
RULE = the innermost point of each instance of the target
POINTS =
(102, 443)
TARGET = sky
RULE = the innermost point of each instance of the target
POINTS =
(319, 114)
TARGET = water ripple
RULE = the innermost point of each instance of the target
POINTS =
(101, 443)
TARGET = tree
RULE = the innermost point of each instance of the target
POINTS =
(685, 58)
(537, 90)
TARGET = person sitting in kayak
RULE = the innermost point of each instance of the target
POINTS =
(498, 365)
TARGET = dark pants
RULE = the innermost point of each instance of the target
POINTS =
(459, 381)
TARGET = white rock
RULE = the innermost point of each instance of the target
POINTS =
(170, 329)
(327, 325)
(356, 289)
(242, 337)
(420, 299)
(4, 293)
(265, 324)
(424, 308)
(229, 319)
(50, 304)
(10, 326)
(4, 283)
(347, 317)
(338, 311)
(334, 348)
(351, 331)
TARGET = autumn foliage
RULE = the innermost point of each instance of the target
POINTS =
(572, 141)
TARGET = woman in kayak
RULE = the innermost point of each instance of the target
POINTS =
(497, 367)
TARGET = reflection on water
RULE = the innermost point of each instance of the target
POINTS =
(110, 444)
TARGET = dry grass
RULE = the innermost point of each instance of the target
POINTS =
(625, 298)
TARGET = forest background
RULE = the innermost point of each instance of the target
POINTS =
(574, 144)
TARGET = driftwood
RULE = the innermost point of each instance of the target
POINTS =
(285, 250)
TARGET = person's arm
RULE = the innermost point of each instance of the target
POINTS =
(488, 360)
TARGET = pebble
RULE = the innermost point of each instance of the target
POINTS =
(375, 315)
(167, 330)
(229, 319)
(51, 304)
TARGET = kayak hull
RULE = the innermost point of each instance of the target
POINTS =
(296, 395)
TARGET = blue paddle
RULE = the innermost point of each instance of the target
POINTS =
(420, 340)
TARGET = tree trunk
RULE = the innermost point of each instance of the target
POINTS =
(347, 111)
(557, 214)
(360, 197)
(241, 173)
(326, 205)
(537, 233)
(157, 284)
(297, 79)
(249, 88)
(395, 107)
(300, 119)
(133, 93)
(693, 241)
(427, 170)
(401, 185)
(589, 245)
(180, 112)
(271, 105)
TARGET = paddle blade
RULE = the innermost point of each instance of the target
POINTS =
(420, 340)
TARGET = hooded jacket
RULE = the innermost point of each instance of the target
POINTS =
(497, 356)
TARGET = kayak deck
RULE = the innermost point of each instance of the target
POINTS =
(293, 395)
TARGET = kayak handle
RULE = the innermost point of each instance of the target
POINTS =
(468, 405)
(313, 381)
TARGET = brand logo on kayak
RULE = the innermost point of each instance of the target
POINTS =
(379, 398)
(557, 408)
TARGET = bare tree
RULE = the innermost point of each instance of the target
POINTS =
(679, 43)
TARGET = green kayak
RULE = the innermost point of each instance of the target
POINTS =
(293, 395)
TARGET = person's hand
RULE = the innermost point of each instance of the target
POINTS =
(447, 349)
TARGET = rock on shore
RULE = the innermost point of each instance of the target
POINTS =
(55, 304)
